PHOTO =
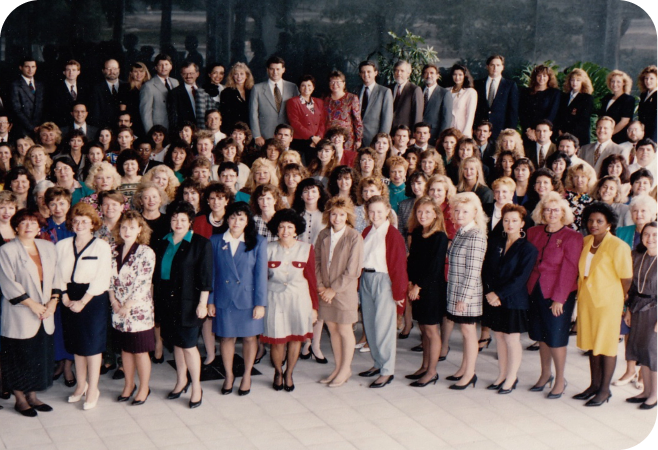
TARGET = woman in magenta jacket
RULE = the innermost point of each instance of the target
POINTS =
(307, 116)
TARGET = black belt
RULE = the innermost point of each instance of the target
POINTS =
(369, 270)
(643, 295)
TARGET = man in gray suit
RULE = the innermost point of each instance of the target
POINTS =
(154, 93)
(267, 104)
(376, 103)
(438, 103)
(595, 153)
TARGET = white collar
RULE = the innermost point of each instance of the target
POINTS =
(383, 228)
(274, 83)
(337, 234)
(164, 80)
(69, 85)
(28, 80)
(467, 227)
(604, 144)
(228, 237)
(402, 85)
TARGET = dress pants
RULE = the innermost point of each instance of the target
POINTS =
(379, 319)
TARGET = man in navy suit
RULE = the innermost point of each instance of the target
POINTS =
(181, 102)
(376, 103)
(64, 93)
(481, 134)
(107, 96)
(267, 103)
(407, 97)
(438, 103)
(498, 98)
(26, 98)
(79, 114)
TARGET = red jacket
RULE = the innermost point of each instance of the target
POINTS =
(348, 158)
(396, 263)
(303, 121)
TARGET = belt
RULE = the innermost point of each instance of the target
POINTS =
(369, 270)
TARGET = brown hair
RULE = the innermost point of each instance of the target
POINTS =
(261, 191)
(510, 207)
(343, 203)
(437, 225)
(84, 210)
(143, 238)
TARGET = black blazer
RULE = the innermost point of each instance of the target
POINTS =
(27, 106)
(92, 132)
(575, 118)
(104, 107)
(179, 107)
(507, 274)
(496, 232)
(408, 110)
(542, 105)
(426, 263)
(504, 111)
(233, 108)
(624, 106)
(149, 165)
(646, 113)
(59, 102)
(191, 273)
(487, 156)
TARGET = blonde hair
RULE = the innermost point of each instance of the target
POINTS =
(103, 167)
(628, 83)
(504, 181)
(472, 199)
(587, 170)
(437, 225)
(372, 181)
(461, 186)
(646, 71)
(586, 88)
(50, 126)
(172, 186)
(439, 168)
(553, 197)
(519, 151)
(28, 161)
(8, 197)
(260, 163)
(138, 66)
(343, 203)
(248, 83)
(139, 192)
(449, 187)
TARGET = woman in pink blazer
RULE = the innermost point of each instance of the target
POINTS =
(307, 117)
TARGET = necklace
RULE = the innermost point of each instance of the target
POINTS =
(597, 246)
(646, 274)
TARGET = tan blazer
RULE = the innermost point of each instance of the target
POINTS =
(346, 266)
(19, 279)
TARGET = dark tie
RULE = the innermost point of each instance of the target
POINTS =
(74, 95)
(167, 84)
(114, 90)
(492, 93)
(397, 96)
(426, 98)
(364, 103)
(277, 97)
(597, 153)
(194, 92)
(32, 87)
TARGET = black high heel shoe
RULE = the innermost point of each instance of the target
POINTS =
(277, 387)
(257, 360)
(121, 398)
(457, 387)
(243, 392)
(5, 395)
(305, 356)
(507, 391)
(105, 369)
(585, 395)
(454, 378)
(443, 358)
(318, 360)
(495, 387)
(288, 388)
(538, 388)
(553, 396)
(406, 335)
(599, 403)
(141, 402)
(433, 380)
(70, 383)
(174, 395)
(225, 391)
(159, 360)
(29, 412)
(415, 376)
(196, 404)
(488, 341)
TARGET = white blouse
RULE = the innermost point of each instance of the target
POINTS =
(94, 265)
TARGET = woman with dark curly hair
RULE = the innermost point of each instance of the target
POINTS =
(464, 99)
(522, 170)
(559, 162)
(19, 181)
(128, 167)
(179, 158)
(606, 273)
(539, 101)
(291, 175)
(542, 181)
(344, 182)
(617, 166)
(292, 295)
(365, 163)
(237, 304)
(310, 198)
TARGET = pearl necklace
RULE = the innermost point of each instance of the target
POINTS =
(646, 274)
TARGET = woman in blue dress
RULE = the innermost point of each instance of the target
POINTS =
(237, 303)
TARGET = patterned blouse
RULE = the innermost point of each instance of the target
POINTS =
(465, 258)
(131, 283)
(261, 228)
(578, 203)
(346, 113)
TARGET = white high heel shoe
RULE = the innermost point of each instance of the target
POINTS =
(77, 398)
(621, 382)
(91, 405)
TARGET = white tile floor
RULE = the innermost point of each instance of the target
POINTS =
(353, 416)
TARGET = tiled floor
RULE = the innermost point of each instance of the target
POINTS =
(353, 416)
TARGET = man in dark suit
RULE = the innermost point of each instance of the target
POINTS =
(79, 114)
(107, 96)
(5, 126)
(407, 97)
(181, 102)
(64, 93)
(438, 103)
(498, 98)
(482, 134)
(376, 103)
(539, 151)
(27, 98)
(421, 138)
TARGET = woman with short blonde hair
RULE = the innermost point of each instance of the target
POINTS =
(258, 174)
(581, 178)
(165, 178)
(510, 140)
(618, 104)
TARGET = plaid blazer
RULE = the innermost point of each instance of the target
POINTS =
(203, 103)
(465, 258)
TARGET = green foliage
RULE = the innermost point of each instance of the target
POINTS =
(406, 47)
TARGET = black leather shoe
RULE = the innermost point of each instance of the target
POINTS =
(318, 360)
(507, 391)
(70, 383)
(374, 384)
(495, 387)
(593, 403)
(406, 335)
(534, 347)
(553, 396)
(305, 356)
(584, 395)
(443, 358)
(432, 380)
(118, 374)
(415, 376)
(636, 399)
(277, 387)
(457, 387)
(29, 412)
(258, 360)
(538, 388)
(105, 369)
(196, 404)
(141, 402)
(369, 373)
(174, 395)
(5, 395)
(289, 388)
(647, 406)
(418, 348)
(159, 360)
(42, 407)
(121, 398)
(245, 392)
(453, 378)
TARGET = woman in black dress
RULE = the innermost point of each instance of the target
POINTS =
(183, 296)
(648, 107)
(234, 99)
(539, 101)
(508, 264)
(619, 104)
(427, 283)
(576, 106)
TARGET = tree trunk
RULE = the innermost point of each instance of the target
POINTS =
(165, 24)
(119, 21)
(213, 30)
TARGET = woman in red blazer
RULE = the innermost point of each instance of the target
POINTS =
(383, 288)
(307, 117)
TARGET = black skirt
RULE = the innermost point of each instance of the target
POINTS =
(85, 333)
(27, 364)
(171, 320)
(467, 320)
(543, 325)
(430, 308)
(505, 320)
(135, 342)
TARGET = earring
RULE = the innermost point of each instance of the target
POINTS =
(522, 234)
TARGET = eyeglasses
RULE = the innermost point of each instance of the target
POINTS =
(63, 169)
(552, 210)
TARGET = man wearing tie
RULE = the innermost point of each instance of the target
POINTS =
(542, 148)
(376, 103)
(79, 114)
(26, 98)
(407, 97)
(595, 153)
(154, 93)
(438, 103)
(5, 126)
(267, 104)
(107, 96)
(63, 94)
(498, 98)
(182, 100)
(481, 134)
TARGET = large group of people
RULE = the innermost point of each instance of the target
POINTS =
(161, 216)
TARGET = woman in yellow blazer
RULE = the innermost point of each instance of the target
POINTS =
(606, 272)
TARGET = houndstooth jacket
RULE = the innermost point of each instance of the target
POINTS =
(465, 257)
